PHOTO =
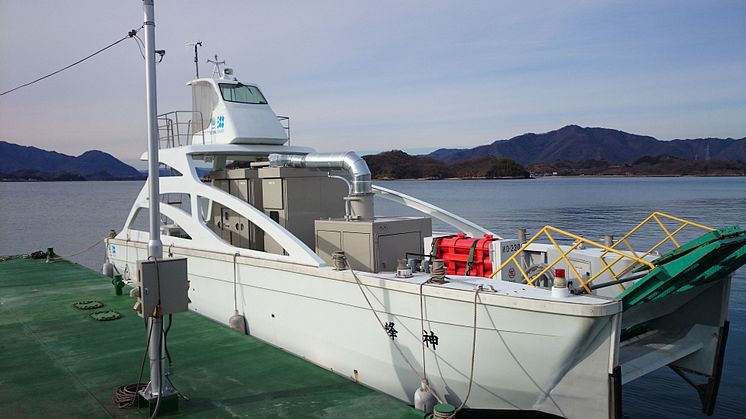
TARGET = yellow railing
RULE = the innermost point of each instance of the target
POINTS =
(669, 236)
(630, 254)
(548, 231)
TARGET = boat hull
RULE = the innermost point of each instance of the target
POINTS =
(529, 355)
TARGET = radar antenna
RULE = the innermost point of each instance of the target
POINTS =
(216, 69)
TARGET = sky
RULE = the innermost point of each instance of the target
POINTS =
(381, 75)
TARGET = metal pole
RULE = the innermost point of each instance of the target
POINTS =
(158, 386)
(196, 60)
(155, 247)
(522, 239)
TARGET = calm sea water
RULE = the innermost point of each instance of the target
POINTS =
(70, 216)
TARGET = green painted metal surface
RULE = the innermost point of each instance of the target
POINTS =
(710, 257)
(55, 361)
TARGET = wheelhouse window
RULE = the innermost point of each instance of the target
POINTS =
(242, 93)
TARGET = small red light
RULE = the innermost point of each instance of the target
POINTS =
(559, 273)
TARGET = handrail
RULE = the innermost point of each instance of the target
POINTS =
(547, 231)
(447, 217)
(177, 128)
(669, 236)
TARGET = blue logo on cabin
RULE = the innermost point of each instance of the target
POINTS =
(221, 122)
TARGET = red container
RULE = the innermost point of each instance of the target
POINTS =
(465, 255)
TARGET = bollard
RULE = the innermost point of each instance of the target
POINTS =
(118, 284)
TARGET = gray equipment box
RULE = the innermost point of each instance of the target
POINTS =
(372, 246)
(236, 230)
(164, 281)
(296, 197)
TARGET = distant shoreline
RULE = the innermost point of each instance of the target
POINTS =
(69, 180)
(416, 179)
(563, 177)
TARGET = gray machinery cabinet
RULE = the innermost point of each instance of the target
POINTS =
(234, 229)
(296, 197)
(375, 245)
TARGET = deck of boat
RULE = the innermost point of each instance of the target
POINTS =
(55, 361)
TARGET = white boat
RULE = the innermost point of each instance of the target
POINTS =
(261, 239)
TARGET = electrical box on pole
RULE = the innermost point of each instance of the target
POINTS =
(163, 287)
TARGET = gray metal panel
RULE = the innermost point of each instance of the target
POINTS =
(240, 226)
(392, 247)
(218, 224)
(242, 174)
(221, 184)
(231, 224)
(357, 247)
(328, 242)
(292, 172)
(272, 193)
(375, 245)
(163, 283)
(300, 197)
(240, 189)
(270, 245)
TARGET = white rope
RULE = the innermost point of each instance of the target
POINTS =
(235, 293)
(82, 251)
(473, 353)
(422, 326)
(360, 285)
(396, 345)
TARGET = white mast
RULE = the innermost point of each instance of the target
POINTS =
(155, 246)
(159, 386)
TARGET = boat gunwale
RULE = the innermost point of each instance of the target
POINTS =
(594, 306)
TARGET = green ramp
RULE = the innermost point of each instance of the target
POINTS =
(710, 257)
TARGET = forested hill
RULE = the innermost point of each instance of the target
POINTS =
(397, 164)
(19, 162)
(574, 143)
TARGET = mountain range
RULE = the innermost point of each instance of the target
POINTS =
(575, 143)
(19, 162)
(571, 149)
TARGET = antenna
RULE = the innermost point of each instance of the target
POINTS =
(195, 44)
(216, 69)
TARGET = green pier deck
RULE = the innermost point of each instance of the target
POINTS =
(55, 361)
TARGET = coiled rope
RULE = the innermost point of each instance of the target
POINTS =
(126, 396)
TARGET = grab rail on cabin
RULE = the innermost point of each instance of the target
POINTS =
(548, 231)
(177, 128)
(670, 235)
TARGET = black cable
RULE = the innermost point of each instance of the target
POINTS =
(160, 347)
(130, 34)
(165, 338)
(126, 396)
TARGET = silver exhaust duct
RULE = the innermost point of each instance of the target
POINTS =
(361, 191)
(349, 161)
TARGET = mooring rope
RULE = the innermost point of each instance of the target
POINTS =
(473, 353)
(235, 293)
(383, 327)
(84, 250)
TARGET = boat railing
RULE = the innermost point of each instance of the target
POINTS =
(180, 128)
(285, 122)
(553, 234)
(669, 235)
